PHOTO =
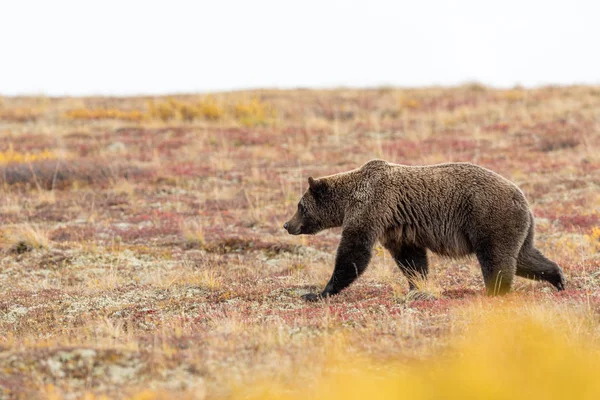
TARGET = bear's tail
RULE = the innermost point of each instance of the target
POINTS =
(532, 264)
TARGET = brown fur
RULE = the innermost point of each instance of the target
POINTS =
(452, 209)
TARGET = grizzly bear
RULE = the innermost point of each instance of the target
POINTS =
(453, 209)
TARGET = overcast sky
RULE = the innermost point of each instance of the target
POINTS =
(57, 47)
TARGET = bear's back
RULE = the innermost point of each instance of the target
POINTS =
(441, 180)
(441, 206)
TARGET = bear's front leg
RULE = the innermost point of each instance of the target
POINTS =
(353, 256)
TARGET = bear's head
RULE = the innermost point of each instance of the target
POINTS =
(317, 210)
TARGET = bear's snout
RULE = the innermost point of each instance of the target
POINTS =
(293, 227)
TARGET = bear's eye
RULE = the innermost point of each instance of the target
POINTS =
(300, 208)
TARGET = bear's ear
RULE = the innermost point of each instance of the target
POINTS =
(317, 186)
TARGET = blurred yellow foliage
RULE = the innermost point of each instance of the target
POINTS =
(164, 110)
(10, 156)
(147, 395)
(250, 112)
(207, 108)
(506, 354)
(104, 113)
(254, 112)
(594, 238)
(210, 109)
(409, 103)
(513, 95)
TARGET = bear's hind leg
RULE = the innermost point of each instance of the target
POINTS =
(412, 261)
(532, 264)
(498, 267)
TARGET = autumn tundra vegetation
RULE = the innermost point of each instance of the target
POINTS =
(142, 253)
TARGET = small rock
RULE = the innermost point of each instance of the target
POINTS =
(55, 368)
(116, 147)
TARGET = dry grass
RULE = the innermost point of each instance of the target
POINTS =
(154, 264)
(21, 238)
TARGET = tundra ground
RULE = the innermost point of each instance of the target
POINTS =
(142, 253)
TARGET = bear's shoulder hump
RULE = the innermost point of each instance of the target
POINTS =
(375, 164)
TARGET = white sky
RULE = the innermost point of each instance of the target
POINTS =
(59, 47)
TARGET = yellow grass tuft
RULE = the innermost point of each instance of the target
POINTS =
(210, 110)
(513, 95)
(209, 279)
(207, 109)
(409, 103)
(426, 288)
(23, 237)
(164, 110)
(594, 238)
(123, 187)
(254, 112)
(193, 233)
(11, 156)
